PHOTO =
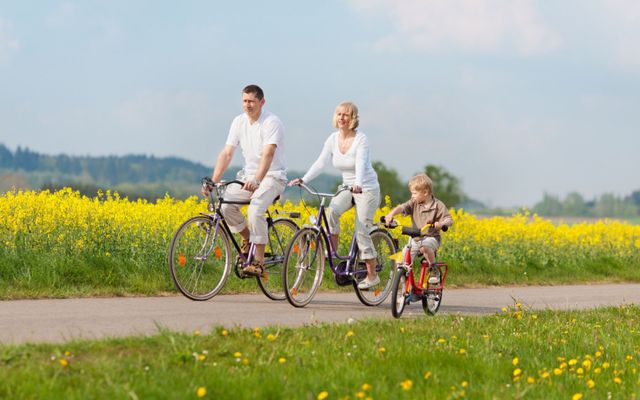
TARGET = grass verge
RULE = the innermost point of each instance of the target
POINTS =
(514, 354)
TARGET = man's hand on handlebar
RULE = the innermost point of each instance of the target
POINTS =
(295, 182)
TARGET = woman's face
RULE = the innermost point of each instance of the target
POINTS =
(343, 117)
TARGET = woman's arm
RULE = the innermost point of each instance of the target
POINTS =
(323, 160)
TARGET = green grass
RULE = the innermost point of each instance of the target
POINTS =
(443, 357)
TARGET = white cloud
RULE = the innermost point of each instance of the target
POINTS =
(8, 44)
(623, 17)
(61, 16)
(473, 25)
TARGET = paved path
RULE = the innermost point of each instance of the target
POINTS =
(65, 319)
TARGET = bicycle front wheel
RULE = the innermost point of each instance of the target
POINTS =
(398, 293)
(432, 297)
(280, 234)
(199, 258)
(385, 267)
(303, 267)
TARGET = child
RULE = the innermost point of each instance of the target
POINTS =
(424, 209)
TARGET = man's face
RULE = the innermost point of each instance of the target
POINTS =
(252, 106)
(419, 196)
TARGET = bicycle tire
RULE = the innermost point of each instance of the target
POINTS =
(303, 266)
(281, 231)
(385, 247)
(199, 261)
(398, 294)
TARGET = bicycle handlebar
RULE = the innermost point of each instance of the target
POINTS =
(209, 184)
(312, 191)
(410, 231)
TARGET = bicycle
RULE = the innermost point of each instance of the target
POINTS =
(200, 256)
(406, 289)
(305, 257)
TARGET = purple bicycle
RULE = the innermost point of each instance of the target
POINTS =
(304, 260)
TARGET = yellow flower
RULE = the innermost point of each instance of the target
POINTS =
(462, 351)
(617, 380)
(586, 364)
(201, 391)
(464, 384)
(442, 340)
(361, 395)
(402, 329)
(504, 309)
(237, 354)
(515, 361)
(531, 379)
(557, 371)
(628, 358)
(573, 362)
(517, 372)
(366, 386)
(323, 395)
(224, 332)
(382, 349)
(196, 333)
(605, 365)
(202, 357)
(591, 384)
(282, 360)
(350, 333)
(427, 375)
(271, 337)
(598, 354)
(407, 384)
(245, 361)
(545, 374)
(577, 396)
(64, 362)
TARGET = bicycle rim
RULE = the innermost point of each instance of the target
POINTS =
(199, 260)
(280, 234)
(431, 301)
(303, 267)
(385, 266)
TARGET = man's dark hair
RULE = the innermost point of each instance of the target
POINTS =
(255, 90)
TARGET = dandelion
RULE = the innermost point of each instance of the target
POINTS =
(587, 364)
(201, 391)
(628, 358)
(350, 333)
(517, 372)
(202, 357)
(598, 354)
(237, 354)
(282, 360)
(224, 332)
(442, 340)
(573, 362)
(64, 362)
(361, 395)
(407, 384)
(597, 370)
(323, 395)
(366, 386)
(544, 375)
(605, 365)
(271, 337)
(531, 380)
(462, 351)
(402, 329)
(591, 384)
(577, 396)
(515, 361)
(617, 380)
(382, 350)
(427, 375)
(557, 371)
(504, 309)
(245, 361)
(464, 384)
(196, 333)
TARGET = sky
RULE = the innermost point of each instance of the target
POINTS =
(517, 98)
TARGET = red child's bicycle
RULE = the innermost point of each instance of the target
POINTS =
(405, 289)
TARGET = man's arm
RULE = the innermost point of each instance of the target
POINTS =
(224, 159)
(268, 151)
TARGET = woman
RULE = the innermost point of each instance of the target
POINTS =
(348, 150)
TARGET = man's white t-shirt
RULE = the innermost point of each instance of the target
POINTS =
(252, 138)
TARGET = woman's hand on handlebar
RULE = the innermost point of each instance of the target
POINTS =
(295, 182)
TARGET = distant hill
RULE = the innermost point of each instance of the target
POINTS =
(134, 176)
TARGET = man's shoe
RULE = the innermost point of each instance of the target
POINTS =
(254, 269)
(367, 284)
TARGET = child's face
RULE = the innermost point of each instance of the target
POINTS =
(419, 196)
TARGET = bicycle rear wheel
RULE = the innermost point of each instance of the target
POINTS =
(432, 297)
(280, 234)
(398, 293)
(199, 258)
(385, 266)
(303, 267)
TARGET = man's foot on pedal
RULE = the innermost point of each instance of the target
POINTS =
(368, 284)
(254, 269)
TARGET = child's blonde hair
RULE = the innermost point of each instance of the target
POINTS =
(421, 182)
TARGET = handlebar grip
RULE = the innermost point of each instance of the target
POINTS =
(393, 223)
(444, 228)
(413, 232)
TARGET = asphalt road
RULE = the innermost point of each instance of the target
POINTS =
(57, 321)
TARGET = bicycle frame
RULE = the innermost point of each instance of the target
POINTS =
(421, 286)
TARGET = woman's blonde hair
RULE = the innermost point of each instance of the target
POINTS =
(355, 120)
(421, 182)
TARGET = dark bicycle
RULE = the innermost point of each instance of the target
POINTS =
(201, 257)
(304, 260)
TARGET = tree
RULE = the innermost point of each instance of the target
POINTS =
(549, 206)
(575, 205)
(446, 186)
(390, 184)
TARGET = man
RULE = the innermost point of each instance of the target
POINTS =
(260, 136)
